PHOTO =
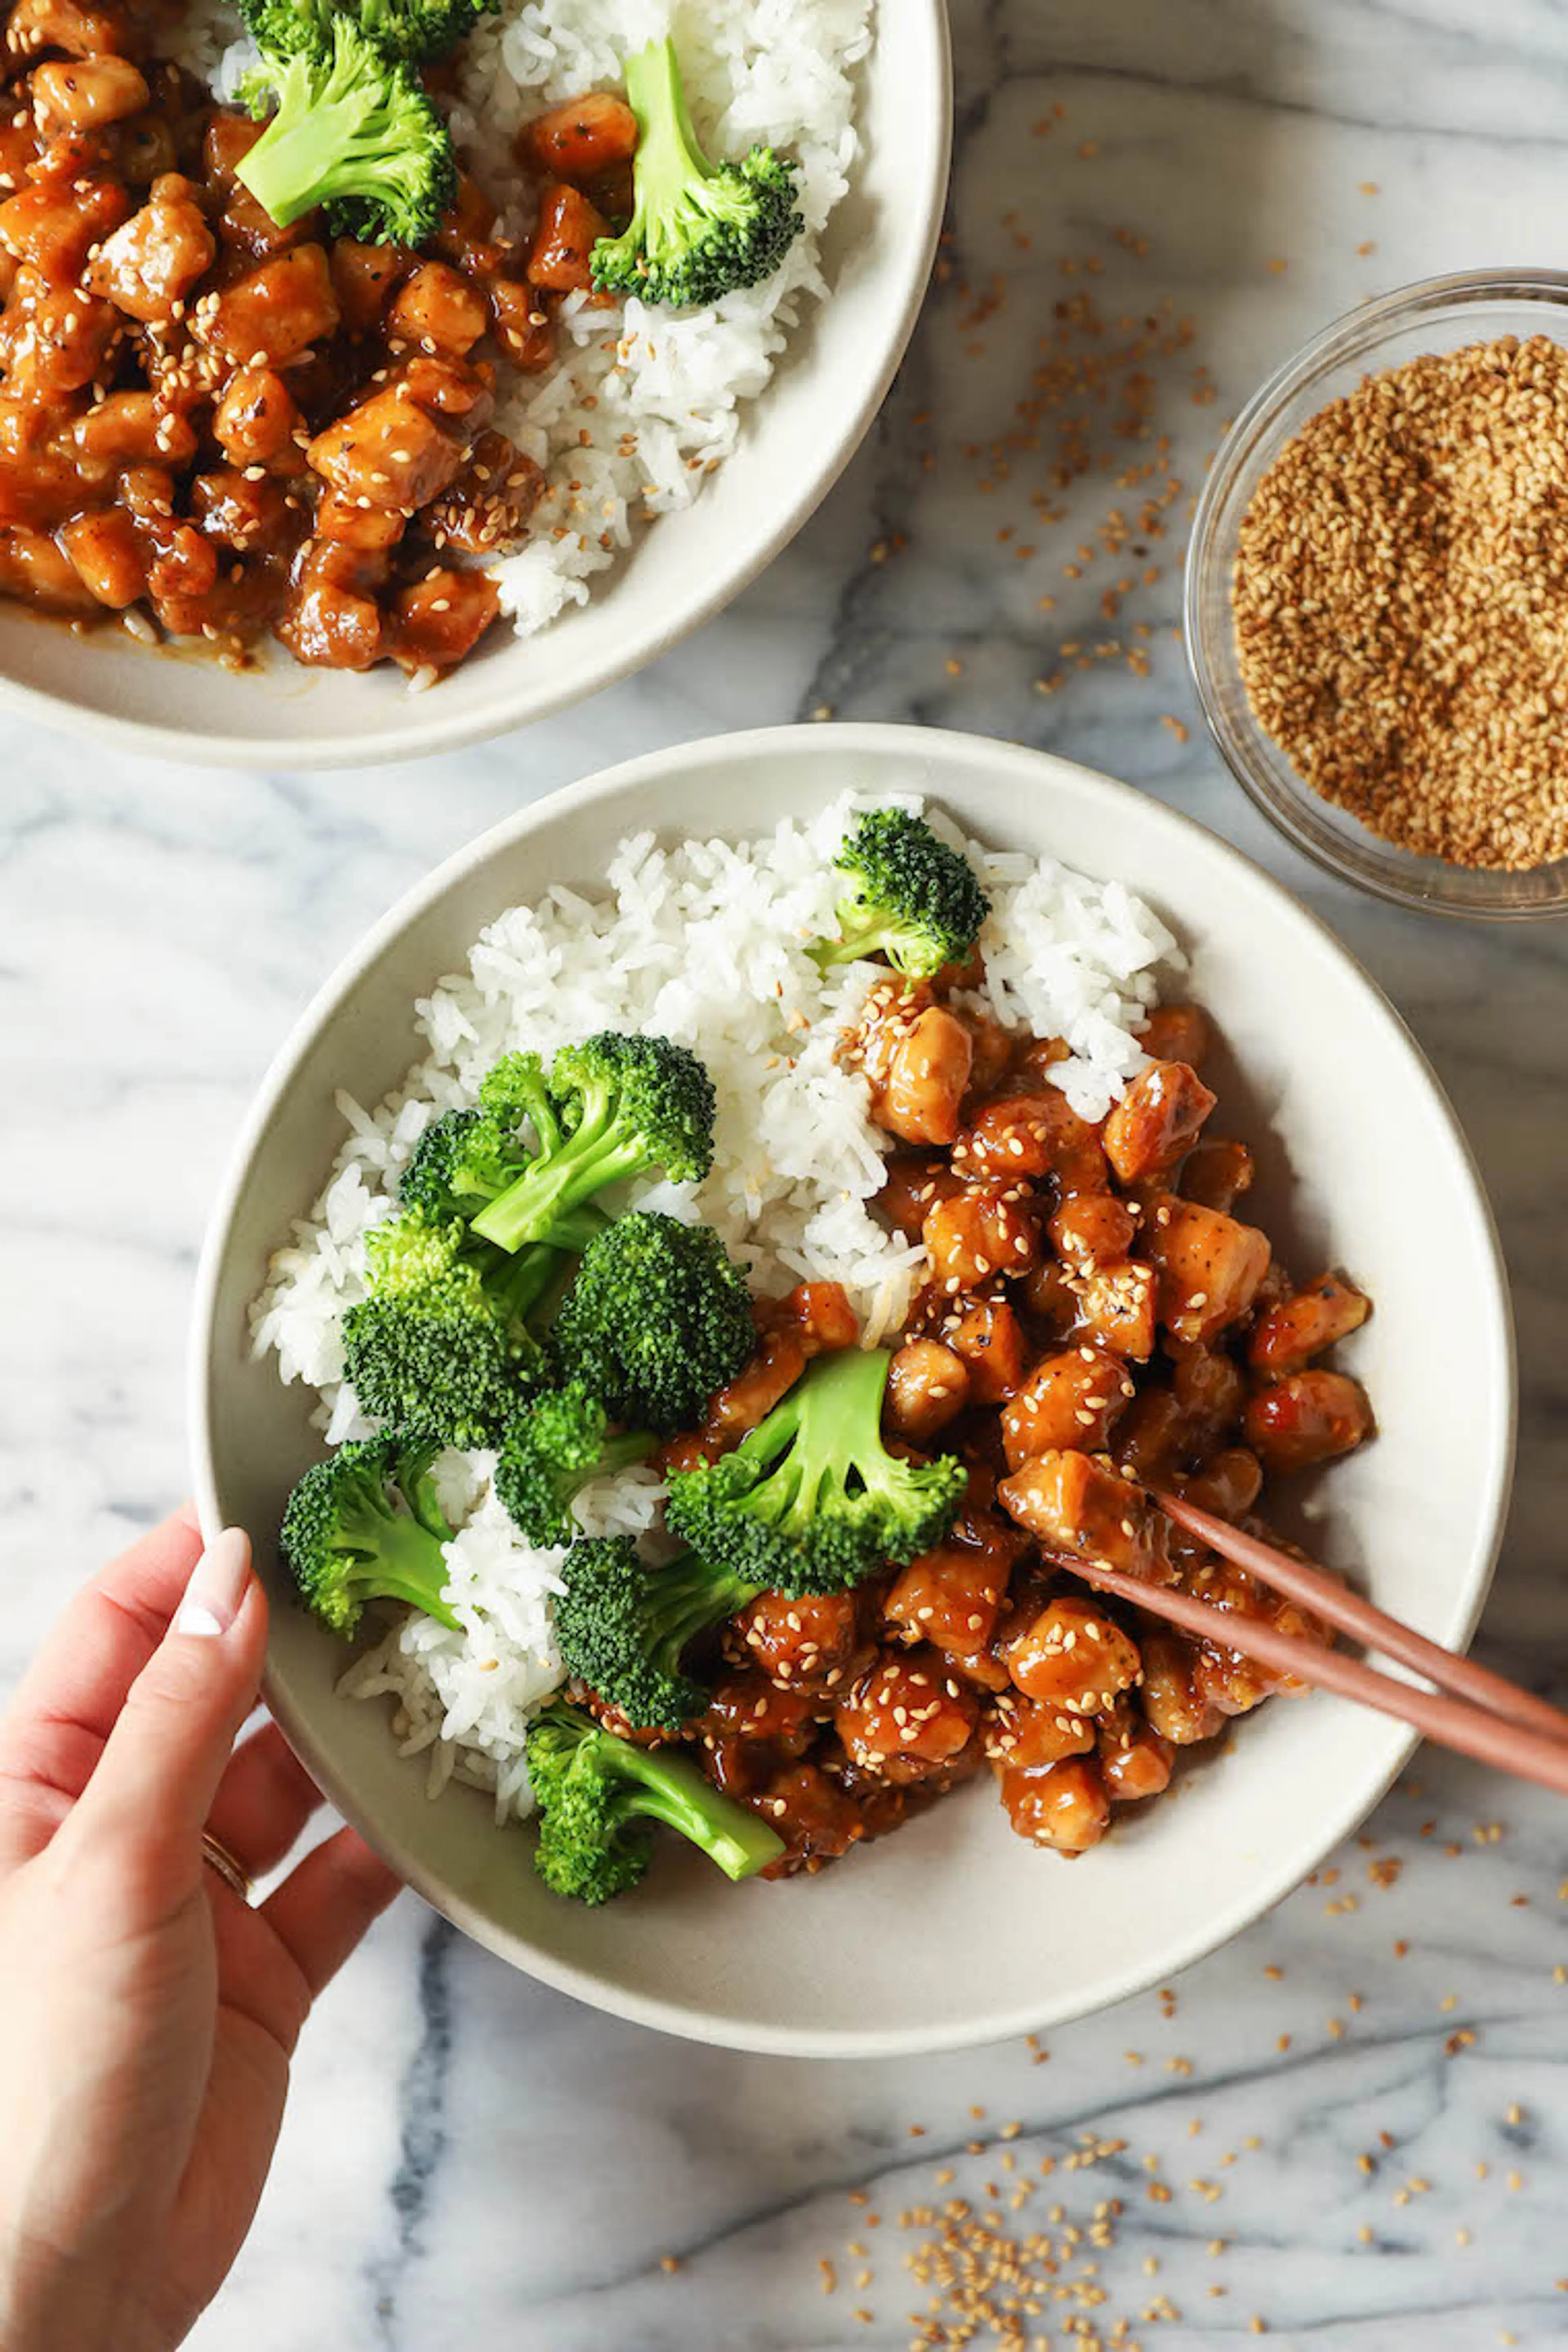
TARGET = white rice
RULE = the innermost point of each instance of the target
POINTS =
(642, 402)
(705, 943)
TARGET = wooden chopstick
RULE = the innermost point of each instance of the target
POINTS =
(1350, 1613)
(1529, 1755)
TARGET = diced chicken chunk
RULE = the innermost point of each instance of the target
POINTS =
(1073, 1505)
(1209, 1266)
(1070, 1400)
(1064, 1805)
(928, 1386)
(1156, 1121)
(982, 1234)
(1311, 1417)
(1288, 1335)
(439, 310)
(275, 312)
(153, 259)
(1074, 1657)
(581, 140)
(562, 256)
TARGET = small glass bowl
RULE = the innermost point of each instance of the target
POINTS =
(1436, 314)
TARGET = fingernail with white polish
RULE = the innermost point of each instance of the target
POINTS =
(216, 1586)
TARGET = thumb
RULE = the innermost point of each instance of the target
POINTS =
(155, 1783)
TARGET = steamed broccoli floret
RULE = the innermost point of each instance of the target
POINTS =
(353, 130)
(812, 1501)
(626, 1105)
(443, 1342)
(911, 898)
(700, 230)
(599, 1796)
(656, 1319)
(364, 1526)
(459, 1164)
(622, 1627)
(549, 1451)
(412, 30)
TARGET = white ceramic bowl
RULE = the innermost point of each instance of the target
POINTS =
(800, 434)
(951, 1931)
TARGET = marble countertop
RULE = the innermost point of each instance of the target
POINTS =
(1361, 2107)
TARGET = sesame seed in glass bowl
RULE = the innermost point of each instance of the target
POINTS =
(1376, 607)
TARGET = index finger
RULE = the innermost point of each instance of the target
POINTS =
(53, 1733)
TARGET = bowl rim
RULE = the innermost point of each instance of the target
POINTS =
(910, 743)
(1338, 340)
(415, 730)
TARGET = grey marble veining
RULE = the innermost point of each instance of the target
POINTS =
(470, 2159)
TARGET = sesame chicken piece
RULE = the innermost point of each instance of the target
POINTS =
(53, 339)
(33, 566)
(906, 1714)
(1288, 1335)
(1215, 1172)
(131, 428)
(1063, 1806)
(1177, 1033)
(983, 1233)
(436, 622)
(252, 517)
(332, 620)
(1311, 1417)
(989, 1339)
(364, 279)
(1228, 1680)
(1229, 1484)
(1151, 1438)
(76, 27)
(1209, 1267)
(153, 259)
(911, 1182)
(1073, 1657)
(388, 451)
(86, 93)
(523, 322)
(274, 312)
(925, 1077)
(1176, 1706)
(1116, 1309)
(1093, 1229)
(485, 510)
(562, 256)
(256, 419)
(347, 524)
(103, 547)
(439, 310)
(1034, 1134)
(747, 1707)
(818, 1819)
(992, 1044)
(180, 578)
(928, 1386)
(1135, 1762)
(815, 1643)
(56, 228)
(1210, 1388)
(953, 1597)
(1022, 1735)
(1073, 1399)
(580, 139)
(1077, 1508)
(1157, 1120)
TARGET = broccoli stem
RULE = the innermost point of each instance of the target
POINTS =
(689, 1596)
(405, 1562)
(670, 155)
(547, 1197)
(666, 1787)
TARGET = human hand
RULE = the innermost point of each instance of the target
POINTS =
(147, 2012)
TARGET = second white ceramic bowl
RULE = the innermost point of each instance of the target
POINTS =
(951, 1931)
(798, 437)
